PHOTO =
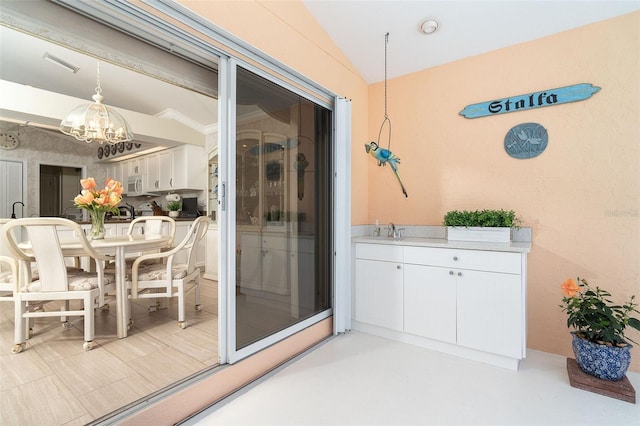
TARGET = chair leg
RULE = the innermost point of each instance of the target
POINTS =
(19, 326)
(198, 306)
(181, 322)
(89, 323)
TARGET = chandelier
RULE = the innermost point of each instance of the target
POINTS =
(96, 122)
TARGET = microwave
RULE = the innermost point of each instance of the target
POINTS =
(136, 187)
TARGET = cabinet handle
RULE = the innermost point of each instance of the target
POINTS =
(450, 272)
(459, 274)
(455, 257)
(398, 267)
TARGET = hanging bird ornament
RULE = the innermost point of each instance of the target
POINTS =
(383, 155)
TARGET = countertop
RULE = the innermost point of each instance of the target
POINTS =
(513, 246)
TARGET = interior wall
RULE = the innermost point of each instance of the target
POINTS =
(39, 146)
(581, 196)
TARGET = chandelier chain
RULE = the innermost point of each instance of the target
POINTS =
(99, 88)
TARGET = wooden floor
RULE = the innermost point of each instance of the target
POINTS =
(55, 382)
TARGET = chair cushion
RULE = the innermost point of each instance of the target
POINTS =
(77, 282)
(158, 271)
(35, 274)
(6, 277)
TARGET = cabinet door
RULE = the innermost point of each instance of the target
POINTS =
(430, 302)
(250, 262)
(165, 167)
(378, 293)
(153, 173)
(490, 312)
(274, 271)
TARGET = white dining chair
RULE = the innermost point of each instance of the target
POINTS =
(153, 225)
(54, 282)
(167, 279)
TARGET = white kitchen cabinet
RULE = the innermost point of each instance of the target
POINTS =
(265, 263)
(379, 286)
(165, 167)
(184, 167)
(153, 173)
(115, 171)
(137, 165)
(462, 301)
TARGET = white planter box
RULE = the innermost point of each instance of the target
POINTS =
(489, 235)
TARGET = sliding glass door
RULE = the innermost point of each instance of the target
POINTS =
(283, 221)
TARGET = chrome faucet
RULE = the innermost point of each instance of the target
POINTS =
(391, 230)
(13, 209)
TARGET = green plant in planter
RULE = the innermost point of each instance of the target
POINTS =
(481, 218)
(594, 316)
(173, 206)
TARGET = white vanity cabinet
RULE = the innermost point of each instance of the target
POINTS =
(469, 297)
(379, 285)
(467, 302)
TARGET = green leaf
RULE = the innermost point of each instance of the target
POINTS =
(635, 323)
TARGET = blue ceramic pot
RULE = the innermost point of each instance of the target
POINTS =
(602, 361)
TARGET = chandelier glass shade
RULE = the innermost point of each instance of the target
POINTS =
(96, 122)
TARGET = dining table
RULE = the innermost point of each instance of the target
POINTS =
(119, 246)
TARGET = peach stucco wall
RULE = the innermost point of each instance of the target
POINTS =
(287, 32)
(581, 196)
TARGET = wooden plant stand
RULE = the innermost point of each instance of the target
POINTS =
(622, 389)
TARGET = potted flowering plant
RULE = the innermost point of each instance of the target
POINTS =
(598, 342)
(98, 202)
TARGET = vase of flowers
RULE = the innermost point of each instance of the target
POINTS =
(98, 202)
(598, 340)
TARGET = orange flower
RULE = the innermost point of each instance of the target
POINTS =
(104, 199)
(88, 183)
(86, 198)
(570, 288)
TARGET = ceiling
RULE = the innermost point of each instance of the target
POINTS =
(357, 27)
(467, 28)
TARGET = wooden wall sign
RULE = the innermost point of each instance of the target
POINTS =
(562, 95)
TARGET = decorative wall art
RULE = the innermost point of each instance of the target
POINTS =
(526, 140)
(562, 95)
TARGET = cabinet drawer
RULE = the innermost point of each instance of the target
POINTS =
(382, 252)
(492, 261)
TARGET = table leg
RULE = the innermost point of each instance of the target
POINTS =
(122, 298)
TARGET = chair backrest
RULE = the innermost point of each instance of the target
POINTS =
(191, 241)
(4, 251)
(44, 247)
(153, 225)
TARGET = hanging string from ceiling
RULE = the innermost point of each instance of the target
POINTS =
(386, 116)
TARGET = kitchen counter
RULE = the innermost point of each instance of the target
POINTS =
(513, 246)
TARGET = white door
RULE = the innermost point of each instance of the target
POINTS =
(11, 191)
